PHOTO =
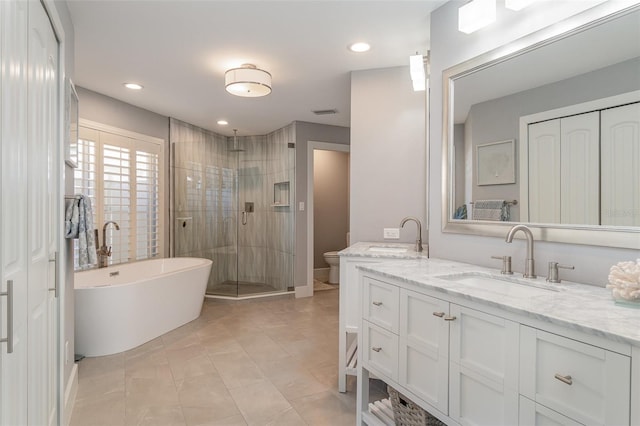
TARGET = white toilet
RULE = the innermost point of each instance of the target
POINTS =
(332, 258)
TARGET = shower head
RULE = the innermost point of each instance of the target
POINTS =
(235, 147)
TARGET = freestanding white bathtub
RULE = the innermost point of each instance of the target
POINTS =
(123, 306)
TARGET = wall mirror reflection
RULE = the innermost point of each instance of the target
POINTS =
(572, 105)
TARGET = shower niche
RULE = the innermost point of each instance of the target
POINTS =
(281, 194)
(230, 195)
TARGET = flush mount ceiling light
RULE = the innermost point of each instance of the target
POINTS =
(133, 86)
(418, 75)
(475, 15)
(359, 47)
(247, 81)
(223, 122)
(517, 4)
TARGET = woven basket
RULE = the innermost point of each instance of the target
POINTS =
(407, 413)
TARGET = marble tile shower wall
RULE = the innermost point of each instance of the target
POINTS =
(211, 186)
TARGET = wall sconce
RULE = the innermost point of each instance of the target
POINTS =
(417, 71)
(475, 15)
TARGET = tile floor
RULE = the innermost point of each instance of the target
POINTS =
(269, 361)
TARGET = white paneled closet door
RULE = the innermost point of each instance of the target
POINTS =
(13, 211)
(544, 172)
(42, 218)
(580, 169)
(29, 219)
(620, 152)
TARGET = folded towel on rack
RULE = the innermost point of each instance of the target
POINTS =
(79, 224)
(491, 210)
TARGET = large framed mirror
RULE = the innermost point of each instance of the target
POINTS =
(548, 135)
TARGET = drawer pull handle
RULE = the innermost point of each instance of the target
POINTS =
(438, 314)
(449, 318)
(378, 349)
(377, 303)
(564, 379)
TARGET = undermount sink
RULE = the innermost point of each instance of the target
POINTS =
(388, 249)
(502, 284)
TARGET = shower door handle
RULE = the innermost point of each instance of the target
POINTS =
(244, 218)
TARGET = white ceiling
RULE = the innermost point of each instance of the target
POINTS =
(179, 50)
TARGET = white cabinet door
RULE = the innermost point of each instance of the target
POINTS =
(544, 172)
(580, 169)
(483, 368)
(13, 205)
(564, 179)
(621, 165)
(586, 383)
(42, 218)
(424, 347)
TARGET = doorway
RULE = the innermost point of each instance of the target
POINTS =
(335, 222)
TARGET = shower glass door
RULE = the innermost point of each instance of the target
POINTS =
(232, 203)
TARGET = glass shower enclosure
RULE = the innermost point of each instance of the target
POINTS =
(232, 202)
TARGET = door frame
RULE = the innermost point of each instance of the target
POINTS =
(311, 147)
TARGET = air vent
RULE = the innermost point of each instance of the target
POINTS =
(325, 111)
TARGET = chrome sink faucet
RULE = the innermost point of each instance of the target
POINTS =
(529, 266)
(419, 240)
(104, 252)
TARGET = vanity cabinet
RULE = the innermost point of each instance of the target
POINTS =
(451, 360)
(472, 364)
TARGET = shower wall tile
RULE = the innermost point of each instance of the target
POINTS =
(211, 185)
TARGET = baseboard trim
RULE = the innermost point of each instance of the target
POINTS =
(304, 291)
(70, 394)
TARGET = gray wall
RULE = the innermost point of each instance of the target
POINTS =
(330, 203)
(106, 110)
(450, 47)
(388, 154)
(614, 80)
(305, 132)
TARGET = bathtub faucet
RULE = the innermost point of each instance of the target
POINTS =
(104, 252)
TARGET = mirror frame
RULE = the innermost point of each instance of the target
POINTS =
(595, 235)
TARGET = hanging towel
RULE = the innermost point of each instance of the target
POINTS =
(79, 224)
(491, 210)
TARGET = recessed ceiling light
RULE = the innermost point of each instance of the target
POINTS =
(359, 47)
(223, 122)
(133, 86)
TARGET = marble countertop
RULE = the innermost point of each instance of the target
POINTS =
(383, 250)
(585, 308)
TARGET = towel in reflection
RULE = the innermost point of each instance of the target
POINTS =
(79, 224)
(497, 210)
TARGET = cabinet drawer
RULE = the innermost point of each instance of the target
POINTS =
(586, 383)
(532, 414)
(380, 304)
(380, 350)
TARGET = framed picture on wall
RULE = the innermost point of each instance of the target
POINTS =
(495, 163)
(71, 144)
